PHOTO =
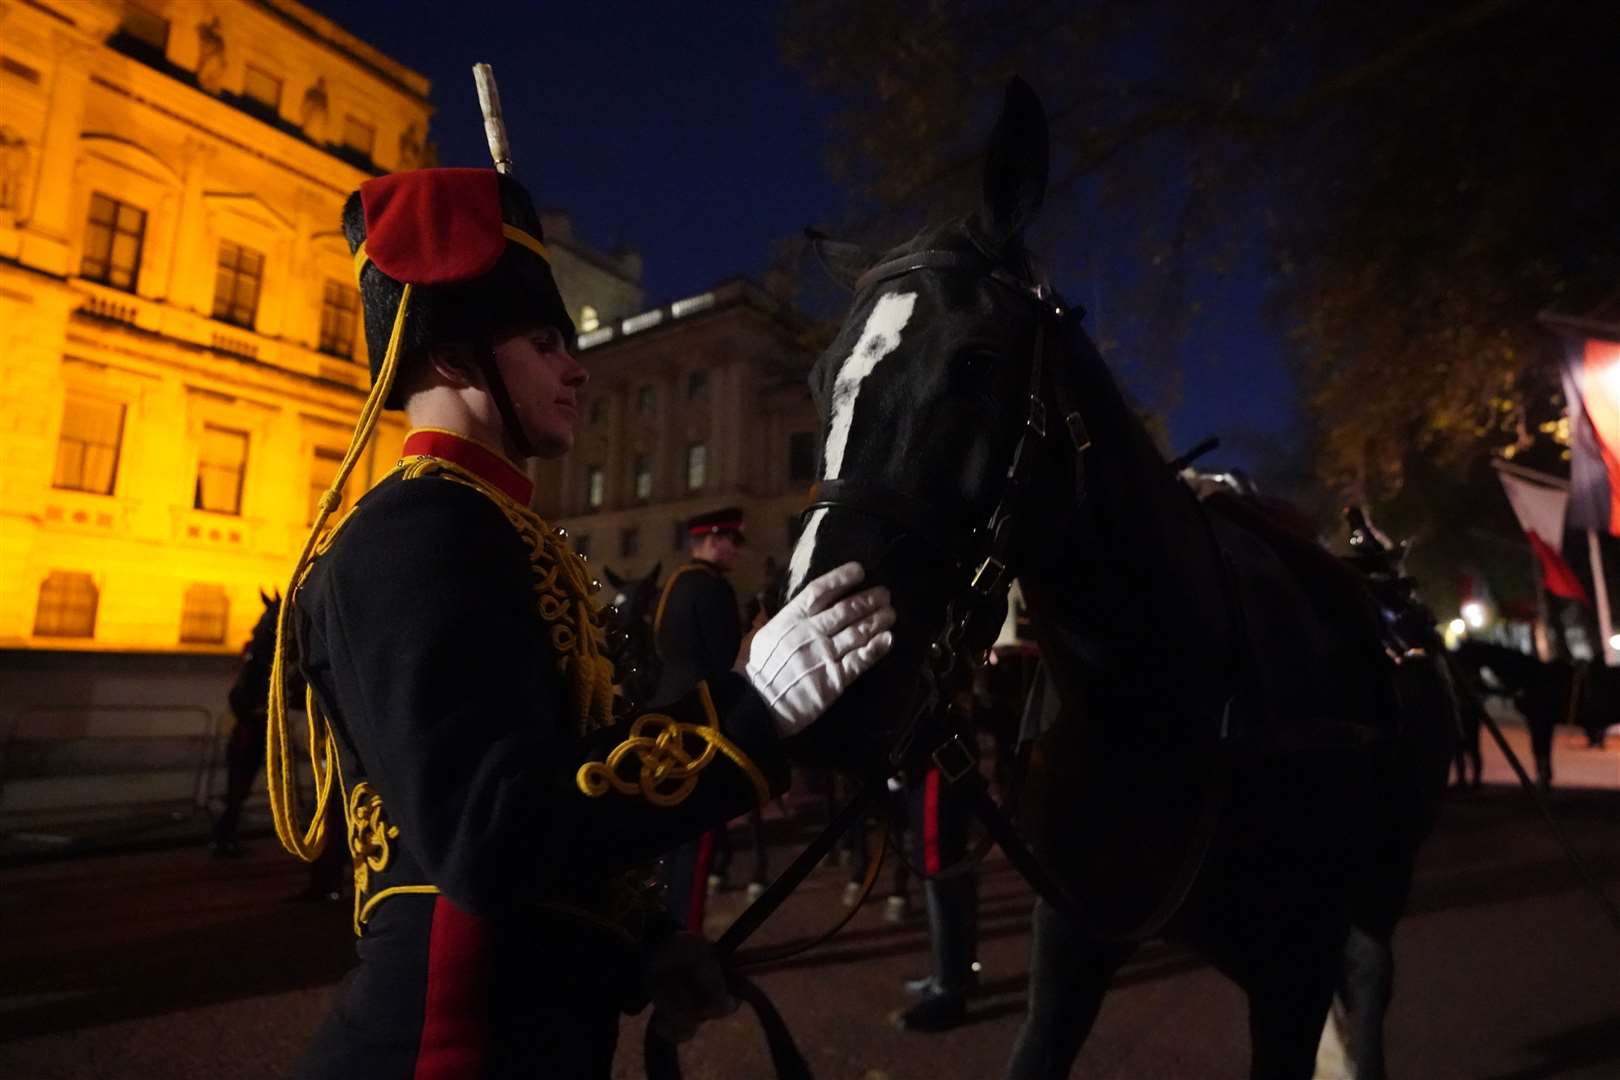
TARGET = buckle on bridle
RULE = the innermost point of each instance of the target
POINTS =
(988, 576)
(954, 759)
(1036, 421)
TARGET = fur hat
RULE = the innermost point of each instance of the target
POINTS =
(468, 242)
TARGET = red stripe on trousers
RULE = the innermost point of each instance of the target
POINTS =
(700, 882)
(931, 822)
(455, 1019)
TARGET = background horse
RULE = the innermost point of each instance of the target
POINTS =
(1235, 763)
(630, 633)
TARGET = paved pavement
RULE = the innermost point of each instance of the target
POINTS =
(168, 964)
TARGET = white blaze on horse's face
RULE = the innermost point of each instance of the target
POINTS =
(879, 337)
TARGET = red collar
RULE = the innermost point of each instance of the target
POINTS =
(476, 458)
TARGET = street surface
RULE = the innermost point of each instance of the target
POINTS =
(169, 964)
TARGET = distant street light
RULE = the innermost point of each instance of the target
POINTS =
(1473, 612)
(1614, 642)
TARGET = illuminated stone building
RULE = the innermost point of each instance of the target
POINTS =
(181, 359)
(690, 407)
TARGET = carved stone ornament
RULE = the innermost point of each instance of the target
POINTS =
(312, 114)
(410, 147)
(210, 55)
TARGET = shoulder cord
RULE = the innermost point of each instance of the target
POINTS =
(308, 843)
(663, 598)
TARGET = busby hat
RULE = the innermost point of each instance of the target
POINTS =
(717, 522)
(469, 244)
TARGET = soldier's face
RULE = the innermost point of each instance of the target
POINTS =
(544, 380)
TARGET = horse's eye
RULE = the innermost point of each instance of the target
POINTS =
(972, 365)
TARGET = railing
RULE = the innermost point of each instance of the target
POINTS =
(199, 730)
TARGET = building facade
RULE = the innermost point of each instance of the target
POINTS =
(181, 350)
(690, 407)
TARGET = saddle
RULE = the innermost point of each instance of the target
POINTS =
(1346, 614)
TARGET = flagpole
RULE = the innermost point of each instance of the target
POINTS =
(1600, 593)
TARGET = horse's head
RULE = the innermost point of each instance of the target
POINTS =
(937, 381)
(634, 598)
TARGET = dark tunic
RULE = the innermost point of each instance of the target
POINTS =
(696, 629)
(419, 632)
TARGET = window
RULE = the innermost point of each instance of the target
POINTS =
(236, 284)
(67, 606)
(629, 542)
(588, 319)
(802, 458)
(697, 385)
(112, 243)
(595, 486)
(147, 28)
(647, 400)
(87, 450)
(220, 468)
(261, 86)
(340, 313)
(359, 135)
(323, 470)
(582, 544)
(204, 614)
(697, 466)
(598, 410)
(642, 476)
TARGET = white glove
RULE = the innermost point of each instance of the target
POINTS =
(811, 650)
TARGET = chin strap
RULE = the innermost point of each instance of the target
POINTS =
(503, 402)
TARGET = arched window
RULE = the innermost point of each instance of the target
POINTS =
(67, 605)
(204, 615)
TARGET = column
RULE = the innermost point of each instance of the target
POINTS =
(45, 239)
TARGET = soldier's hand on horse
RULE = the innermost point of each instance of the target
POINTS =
(686, 985)
(819, 643)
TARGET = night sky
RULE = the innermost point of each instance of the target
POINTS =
(676, 130)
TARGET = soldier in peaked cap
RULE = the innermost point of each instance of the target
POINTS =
(459, 699)
(697, 632)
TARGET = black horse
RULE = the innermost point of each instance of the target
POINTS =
(244, 748)
(630, 633)
(1236, 762)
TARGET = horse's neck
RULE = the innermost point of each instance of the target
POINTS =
(1129, 597)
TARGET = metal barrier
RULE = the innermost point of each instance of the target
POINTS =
(205, 731)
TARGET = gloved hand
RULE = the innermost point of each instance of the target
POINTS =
(811, 650)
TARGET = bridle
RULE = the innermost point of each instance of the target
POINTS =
(981, 559)
(980, 556)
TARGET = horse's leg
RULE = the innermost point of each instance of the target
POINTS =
(1288, 1005)
(1068, 976)
(1365, 986)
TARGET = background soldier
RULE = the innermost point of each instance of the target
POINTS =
(496, 811)
(697, 631)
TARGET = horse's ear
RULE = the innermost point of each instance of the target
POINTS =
(1015, 168)
(615, 579)
(658, 568)
(263, 599)
(844, 262)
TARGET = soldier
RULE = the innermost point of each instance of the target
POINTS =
(697, 632)
(459, 699)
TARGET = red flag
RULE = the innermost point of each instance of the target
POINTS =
(1592, 386)
(1559, 577)
(1540, 509)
